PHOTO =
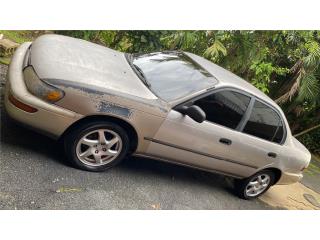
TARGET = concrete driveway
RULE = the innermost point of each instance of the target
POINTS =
(35, 175)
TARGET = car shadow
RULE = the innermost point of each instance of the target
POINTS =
(15, 134)
(167, 170)
(18, 136)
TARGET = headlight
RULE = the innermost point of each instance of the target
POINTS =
(39, 88)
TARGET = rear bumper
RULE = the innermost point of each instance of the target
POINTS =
(289, 178)
(50, 119)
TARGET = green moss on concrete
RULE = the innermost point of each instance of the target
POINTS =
(17, 36)
(5, 60)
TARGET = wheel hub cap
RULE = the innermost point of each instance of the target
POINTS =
(99, 147)
(257, 185)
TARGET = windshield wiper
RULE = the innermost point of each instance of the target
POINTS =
(142, 76)
(138, 70)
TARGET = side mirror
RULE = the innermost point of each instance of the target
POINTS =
(194, 112)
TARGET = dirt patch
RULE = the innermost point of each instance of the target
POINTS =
(3, 72)
(291, 197)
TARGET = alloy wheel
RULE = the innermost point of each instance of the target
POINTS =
(99, 147)
(257, 185)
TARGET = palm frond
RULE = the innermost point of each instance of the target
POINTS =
(296, 66)
(309, 89)
(313, 57)
(293, 89)
(215, 49)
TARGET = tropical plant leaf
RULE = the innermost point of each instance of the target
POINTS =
(309, 88)
(214, 51)
(313, 58)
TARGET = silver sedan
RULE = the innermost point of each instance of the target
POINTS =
(171, 106)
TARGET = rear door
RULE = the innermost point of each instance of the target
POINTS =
(265, 130)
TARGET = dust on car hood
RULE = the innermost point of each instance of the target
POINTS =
(74, 61)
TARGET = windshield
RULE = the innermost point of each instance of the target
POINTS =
(172, 75)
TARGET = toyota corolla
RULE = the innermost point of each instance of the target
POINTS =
(171, 106)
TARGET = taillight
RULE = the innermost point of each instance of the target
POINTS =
(39, 88)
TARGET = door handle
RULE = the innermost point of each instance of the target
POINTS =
(225, 141)
(272, 154)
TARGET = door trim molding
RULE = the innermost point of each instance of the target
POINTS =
(200, 153)
(171, 161)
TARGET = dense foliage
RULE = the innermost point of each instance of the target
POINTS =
(283, 64)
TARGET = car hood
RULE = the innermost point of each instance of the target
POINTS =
(77, 62)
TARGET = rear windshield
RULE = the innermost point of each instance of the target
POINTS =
(173, 75)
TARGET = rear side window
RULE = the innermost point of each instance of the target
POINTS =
(264, 122)
(225, 108)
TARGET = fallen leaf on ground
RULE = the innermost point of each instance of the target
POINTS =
(156, 206)
(67, 189)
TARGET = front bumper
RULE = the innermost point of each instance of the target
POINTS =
(49, 119)
(289, 178)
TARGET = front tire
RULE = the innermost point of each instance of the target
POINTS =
(96, 146)
(254, 186)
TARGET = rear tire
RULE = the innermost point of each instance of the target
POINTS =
(96, 146)
(254, 186)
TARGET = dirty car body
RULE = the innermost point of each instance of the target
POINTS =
(149, 95)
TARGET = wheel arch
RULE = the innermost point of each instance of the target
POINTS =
(133, 135)
(277, 173)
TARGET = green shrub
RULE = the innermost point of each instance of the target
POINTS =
(311, 140)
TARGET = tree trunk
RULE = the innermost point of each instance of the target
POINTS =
(307, 130)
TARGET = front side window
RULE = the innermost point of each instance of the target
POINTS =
(173, 75)
(225, 108)
(264, 122)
